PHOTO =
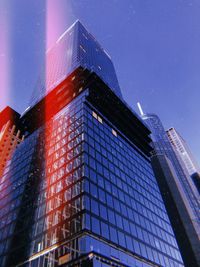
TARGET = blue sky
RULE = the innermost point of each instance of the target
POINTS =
(154, 45)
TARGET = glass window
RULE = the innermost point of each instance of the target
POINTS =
(95, 207)
(105, 230)
(113, 235)
(95, 226)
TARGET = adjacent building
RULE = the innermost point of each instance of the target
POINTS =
(10, 138)
(181, 147)
(178, 191)
(80, 189)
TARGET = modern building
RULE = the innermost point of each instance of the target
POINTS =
(80, 189)
(181, 147)
(75, 48)
(178, 191)
(10, 138)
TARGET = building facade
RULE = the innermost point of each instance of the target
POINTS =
(80, 189)
(181, 147)
(10, 138)
(75, 48)
(186, 217)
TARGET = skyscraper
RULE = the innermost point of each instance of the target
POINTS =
(80, 189)
(180, 194)
(181, 147)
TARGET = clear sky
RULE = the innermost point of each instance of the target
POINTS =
(154, 44)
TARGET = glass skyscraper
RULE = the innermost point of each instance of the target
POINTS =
(80, 189)
(180, 146)
(188, 205)
(75, 48)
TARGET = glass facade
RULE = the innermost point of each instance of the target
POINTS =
(162, 145)
(75, 48)
(123, 201)
(182, 149)
(80, 189)
(76, 176)
(178, 190)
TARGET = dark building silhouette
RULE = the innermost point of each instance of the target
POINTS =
(196, 179)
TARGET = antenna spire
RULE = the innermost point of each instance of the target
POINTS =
(140, 109)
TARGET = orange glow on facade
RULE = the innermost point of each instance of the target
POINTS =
(10, 137)
(9, 140)
(54, 200)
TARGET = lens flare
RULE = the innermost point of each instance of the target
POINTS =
(4, 55)
(55, 25)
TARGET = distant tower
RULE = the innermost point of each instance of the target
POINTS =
(181, 147)
(178, 190)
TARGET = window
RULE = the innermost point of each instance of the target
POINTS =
(83, 48)
(94, 114)
(114, 132)
(100, 119)
(95, 226)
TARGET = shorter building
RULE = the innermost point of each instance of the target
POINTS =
(180, 146)
(9, 135)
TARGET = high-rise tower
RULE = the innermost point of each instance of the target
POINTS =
(75, 48)
(179, 192)
(80, 189)
(181, 147)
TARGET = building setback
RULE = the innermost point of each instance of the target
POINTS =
(80, 189)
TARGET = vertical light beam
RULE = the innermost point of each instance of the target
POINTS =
(4, 55)
(140, 109)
